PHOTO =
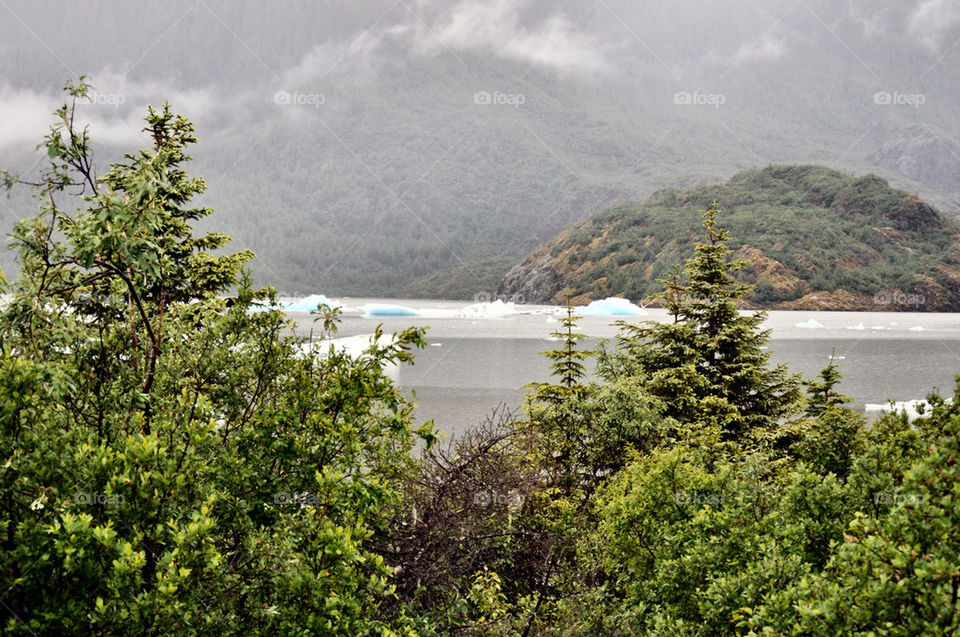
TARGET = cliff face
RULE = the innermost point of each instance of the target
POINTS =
(920, 153)
(816, 239)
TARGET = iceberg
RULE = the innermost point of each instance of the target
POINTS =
(858, 326)
(917, 328)
(495, 309)
(355, 347)
(309, 303)
(812, 324)
(911, 407)
(611, 306)
(385, 309)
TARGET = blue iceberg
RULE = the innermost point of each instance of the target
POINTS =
(384, 309)
(309, 303)
(612, 306)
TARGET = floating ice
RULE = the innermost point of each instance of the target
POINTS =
(858, 326)
(812, 324)
(309, 303)
(385, 309)
(355, 347)
(495, 309)
(917, 328)
(911, 407)
(611, 306)
(877, 327)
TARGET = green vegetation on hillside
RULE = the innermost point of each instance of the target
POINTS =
(851, 242)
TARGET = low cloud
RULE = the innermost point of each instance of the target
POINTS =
(497, 28)
(114, 112)
(935, 23)
(493, 27)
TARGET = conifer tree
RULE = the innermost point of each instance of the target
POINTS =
(822, 395)
(709, 363)
(567, 362)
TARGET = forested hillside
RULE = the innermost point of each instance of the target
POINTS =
(816, 238)
(354, 149)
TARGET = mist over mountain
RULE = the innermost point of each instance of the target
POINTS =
(423, 147)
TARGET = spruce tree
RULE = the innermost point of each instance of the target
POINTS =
(822, 395)
(708, 364)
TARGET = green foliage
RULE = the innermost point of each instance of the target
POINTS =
(822, 394)
(176, 462)
(829, 232)
(895, 570)
(709, 361)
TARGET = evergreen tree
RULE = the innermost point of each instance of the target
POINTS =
(709, 363)
(822, 395)
(566, 363)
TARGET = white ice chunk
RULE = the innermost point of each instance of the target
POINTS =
(812, 324)
(355, 347)
(911, 407)
(496, 309)
(611, 306)
(917, 328)
(858, 326)
(309, 303)
(385, 309)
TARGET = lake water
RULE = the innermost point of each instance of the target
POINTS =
(475, 363)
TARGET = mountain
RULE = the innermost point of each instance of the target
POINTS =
(421, 148)
(817, 239)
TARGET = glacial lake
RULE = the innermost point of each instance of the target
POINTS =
(478, 358)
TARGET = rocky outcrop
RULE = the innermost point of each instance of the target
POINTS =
(535, 279)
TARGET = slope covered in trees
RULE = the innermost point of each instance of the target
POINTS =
(400, 183)
(816, 239)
